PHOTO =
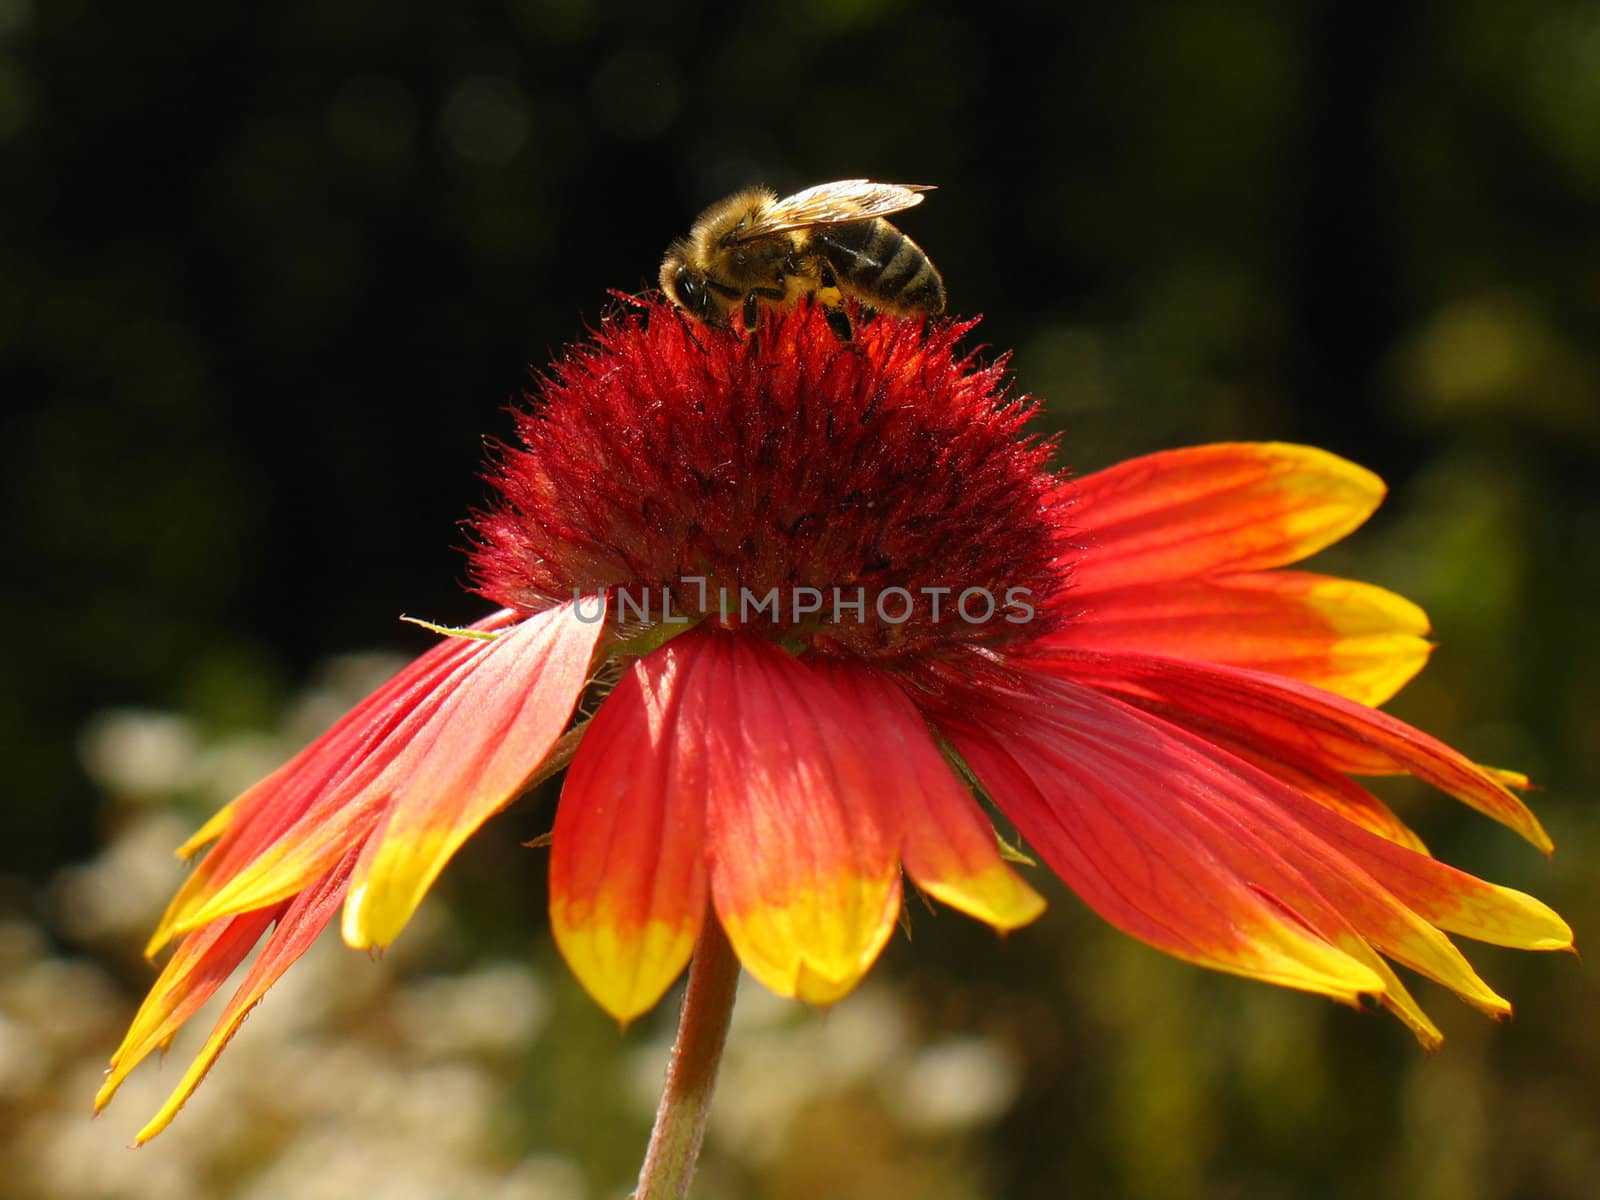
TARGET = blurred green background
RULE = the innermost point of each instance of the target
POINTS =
(270, 273)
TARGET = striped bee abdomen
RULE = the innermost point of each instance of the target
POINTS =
(882, 266)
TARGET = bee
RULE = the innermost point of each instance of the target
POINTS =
(828, 242)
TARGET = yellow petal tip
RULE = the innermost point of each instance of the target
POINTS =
(625, 970)
(357, 924)
(999, 897)
(823, 987)
(385, 894)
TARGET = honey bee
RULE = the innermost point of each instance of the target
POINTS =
(828, 242)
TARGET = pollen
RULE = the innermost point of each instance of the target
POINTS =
(876, 498)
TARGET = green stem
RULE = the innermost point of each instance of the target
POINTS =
(692, 1074)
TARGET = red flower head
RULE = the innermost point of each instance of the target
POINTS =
(810, 593)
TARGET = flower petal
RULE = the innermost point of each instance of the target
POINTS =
(1336, 792)
(1252, 707)
(1451, 899)
(1237, 820)
(813, 771)
(949, 846)
(334, 818)
(294, 825)
(1230, 507)
(1119, 812)
(1360, 641)
(495, 725)
(301, 921)
(627, 871)
(200, 965)
(804, 857)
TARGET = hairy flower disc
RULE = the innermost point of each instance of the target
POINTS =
(880, 481)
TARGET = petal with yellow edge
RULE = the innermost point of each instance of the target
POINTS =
(1359, 641)
(803, 852)
(292, 826)
(627, 870)
(1113, 806)
(1247, 706)
(496, 724)
(341, 816)
(1252, 809)
(1448, 898)
(1212, 816)
(198, 967)
(949, 847)
(302, 920)
(1217, 509)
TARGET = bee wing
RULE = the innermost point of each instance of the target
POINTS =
(831, 203)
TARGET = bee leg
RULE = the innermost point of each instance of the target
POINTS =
(832, 301)
(752, 304)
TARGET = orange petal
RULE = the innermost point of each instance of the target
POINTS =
(340, 811)
(292, 826)
(1117, 812)
(1335, 792)
(1351, 638)
(1451, 899)
(627, 872)
(1225, 508)
(949, 846)
(200, 965)
(1251, 707)
(495, 725)
(302, 920)
(1254, 805)
(804, 856)
(1235, 819)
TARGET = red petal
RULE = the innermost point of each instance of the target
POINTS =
(1336, 792)
(1253, 708)
(804, 853)
(497, 722)
(302, 920)
(1121, 812)
(949, 848)
(627, 874)
(291, 827)
(811, 773)
(1195, 814)
(1450, 899)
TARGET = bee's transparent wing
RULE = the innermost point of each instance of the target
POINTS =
(831, 203)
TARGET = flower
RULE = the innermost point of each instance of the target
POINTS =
(790, 609)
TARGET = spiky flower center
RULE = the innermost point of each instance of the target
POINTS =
(877, 497)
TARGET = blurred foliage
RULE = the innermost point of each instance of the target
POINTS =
(269, 274)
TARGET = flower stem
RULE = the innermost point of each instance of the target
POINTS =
(692, 1074)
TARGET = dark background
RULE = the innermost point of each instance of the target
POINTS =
(269, 274)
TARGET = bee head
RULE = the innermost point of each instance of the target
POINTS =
(685, 286)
